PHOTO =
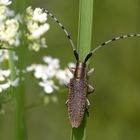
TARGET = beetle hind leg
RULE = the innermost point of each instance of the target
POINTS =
(87, 107)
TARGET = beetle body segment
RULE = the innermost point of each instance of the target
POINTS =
(78, 88)
(77, 101)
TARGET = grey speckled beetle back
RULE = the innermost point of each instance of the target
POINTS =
(79, 88)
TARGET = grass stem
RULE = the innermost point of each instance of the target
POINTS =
(84, 45)
(20, 122)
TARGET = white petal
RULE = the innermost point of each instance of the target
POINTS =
(0, 89)
(48, 89)
(14, 83)
(31, 68)
(47, 59)
(5, 2)
(6, 73)
(5, 86)
(1, 78)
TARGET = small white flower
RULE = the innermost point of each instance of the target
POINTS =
(4, 86)
(40, 31)
(55, 63)
(3, 13)
(48, 86)
(5, 73)
(10, 13)
(29, 11)
(47, 59)
(8, 31)
(50, 74)
(61, 76)
(72, 65)
(31, 68)
(35, 46)
(3, 55)
(2, 77)
(43, 42)
(1, 89)
(38, 16)
(5, 2)
(14, 83)
(37, 27)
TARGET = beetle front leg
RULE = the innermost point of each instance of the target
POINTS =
(71, 69)
(90, 89)
(90, 72)
(67, 85)
(66, 103)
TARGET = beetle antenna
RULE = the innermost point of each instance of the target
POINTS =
(107, 42)
(65, 31)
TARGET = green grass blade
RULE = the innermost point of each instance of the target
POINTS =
(85, 27)
(84, 45)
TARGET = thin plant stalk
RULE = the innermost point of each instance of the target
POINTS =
(20, 130)
(84, 45)
(20, 123)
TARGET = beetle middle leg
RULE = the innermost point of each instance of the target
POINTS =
(87, 106)
(90, 89)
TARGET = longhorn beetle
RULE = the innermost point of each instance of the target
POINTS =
(78, 86)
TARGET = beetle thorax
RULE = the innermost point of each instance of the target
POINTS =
(80, 71)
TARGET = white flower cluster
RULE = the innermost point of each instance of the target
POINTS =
(8, 25)
(50, 75)
(5, 2)
(5, 84)
(5, 81)
(37, 27)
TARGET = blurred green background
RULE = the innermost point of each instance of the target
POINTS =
(115, 104)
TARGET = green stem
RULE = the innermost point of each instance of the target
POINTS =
(19, 105)
(84, 45)
(20, 123)
(12, 65)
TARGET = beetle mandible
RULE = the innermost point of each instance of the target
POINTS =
(78, 86)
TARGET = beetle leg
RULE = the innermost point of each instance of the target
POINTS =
(67, 85)
(90, 72)
(87, 106)
(71, 69)
(66, 103)
(90, 89)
